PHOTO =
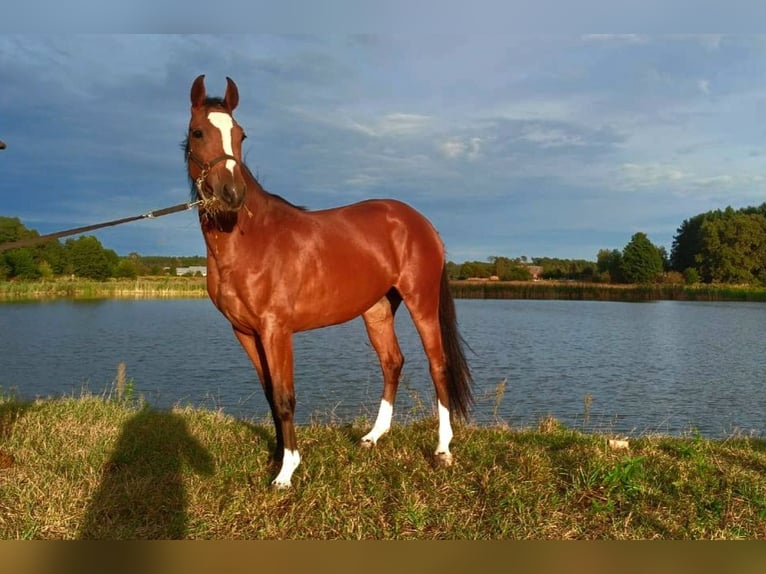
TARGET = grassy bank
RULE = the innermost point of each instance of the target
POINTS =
(103, 467)
(159, 287)
(604, 292)
(143, 287)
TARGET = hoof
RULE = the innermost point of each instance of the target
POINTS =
(366, 443)
(443, 458)
(279, 485)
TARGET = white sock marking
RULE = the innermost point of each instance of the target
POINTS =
(382, 423)
(290, 461)
(445, 431)
(225, 124)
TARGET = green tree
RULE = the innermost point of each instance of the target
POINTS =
(453, 270)
(476, 269)
(88, 258)
(22, 264)
(687, 243)
(691, 276)
(507, 269)
(52, 253)
(554, 268)
(641, 260)
(11, 229)
(733, 248)
(609, 265)
(126, 268)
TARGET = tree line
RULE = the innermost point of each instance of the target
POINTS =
(720, 246)
(83, 256)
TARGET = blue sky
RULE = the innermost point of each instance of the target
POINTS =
(539, 145)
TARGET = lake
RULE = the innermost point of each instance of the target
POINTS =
(665, 367)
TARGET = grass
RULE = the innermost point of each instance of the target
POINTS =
(172, 286)
(112, 467)
(64, 288)
(605, 292)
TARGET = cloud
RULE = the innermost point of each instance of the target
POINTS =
(617, 38)
(686, 183)
(635, 130)
(547, 137)
(388, 125)
(455, 148)
(636, 176)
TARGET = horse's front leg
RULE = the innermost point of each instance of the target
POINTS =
(278, 349)
(251, 343)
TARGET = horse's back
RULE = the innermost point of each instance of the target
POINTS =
(387, 220)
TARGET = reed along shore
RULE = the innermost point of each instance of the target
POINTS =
(192, 287)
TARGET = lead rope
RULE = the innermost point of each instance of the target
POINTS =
(150, 215)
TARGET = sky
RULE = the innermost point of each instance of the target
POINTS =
(536, 145)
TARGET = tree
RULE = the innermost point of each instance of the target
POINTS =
(686, 243)
(126, 268)
(641, 260)
(476, 269)
(733, 248)
(52, 253)
(11, 229)
(22, 264)
(507, 269)
(453, 270)
(691, 276)
(609, 264)
(89, 259)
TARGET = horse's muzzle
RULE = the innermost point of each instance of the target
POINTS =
(216, 183)
(230, 195)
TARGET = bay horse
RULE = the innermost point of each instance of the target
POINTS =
(274, 269)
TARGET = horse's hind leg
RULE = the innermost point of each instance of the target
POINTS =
(379, 321)
(426, 320)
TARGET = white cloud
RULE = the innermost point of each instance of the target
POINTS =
(362, 180)
(547, 137)
(454, 148)
(651, 175)
(392, 124)
(621, 38)
(685, 183)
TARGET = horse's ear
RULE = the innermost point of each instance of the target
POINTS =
(231, 99)
(198, 92)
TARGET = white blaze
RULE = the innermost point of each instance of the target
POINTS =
(225, 124)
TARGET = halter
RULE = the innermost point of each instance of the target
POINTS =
(205, 168)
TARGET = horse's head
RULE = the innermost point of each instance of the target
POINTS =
(214, 148)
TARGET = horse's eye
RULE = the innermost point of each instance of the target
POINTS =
(244, 136)
(197, 134)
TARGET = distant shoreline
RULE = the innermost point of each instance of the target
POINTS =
(151, 287)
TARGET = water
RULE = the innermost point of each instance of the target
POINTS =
(664, 367)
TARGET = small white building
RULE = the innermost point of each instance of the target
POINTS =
(193, 270)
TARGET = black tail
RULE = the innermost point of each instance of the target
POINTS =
(459, 379)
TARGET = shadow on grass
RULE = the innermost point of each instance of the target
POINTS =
(142, 494)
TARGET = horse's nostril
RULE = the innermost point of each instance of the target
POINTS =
(230, 194)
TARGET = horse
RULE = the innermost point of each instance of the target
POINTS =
(274, 269)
